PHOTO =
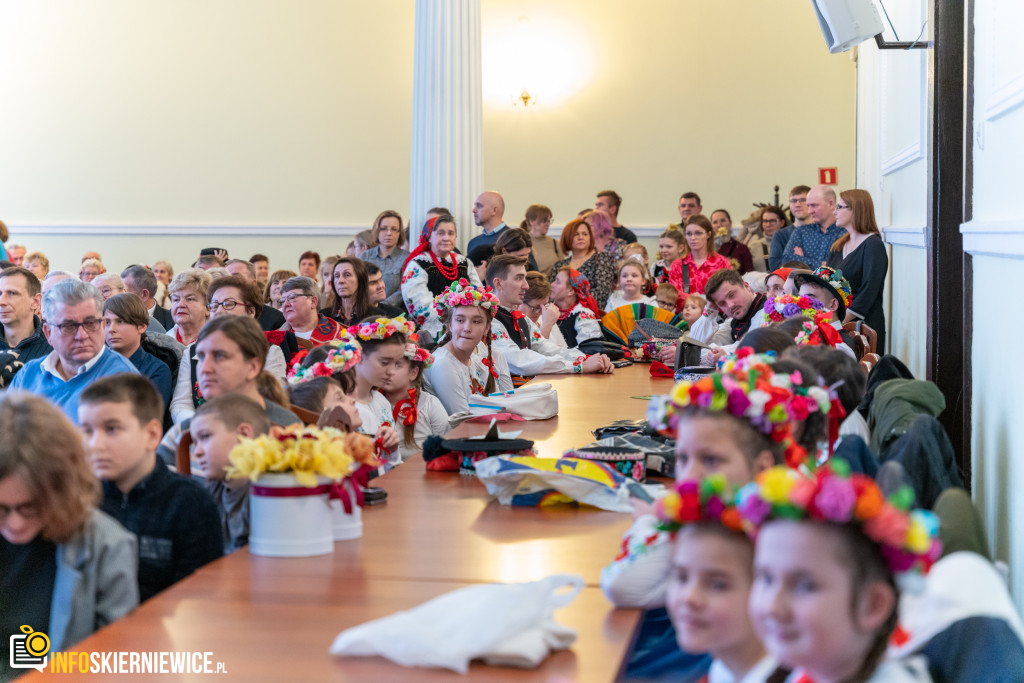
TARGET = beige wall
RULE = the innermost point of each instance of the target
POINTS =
(228, 115)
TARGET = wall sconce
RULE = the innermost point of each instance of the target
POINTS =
(524, 98)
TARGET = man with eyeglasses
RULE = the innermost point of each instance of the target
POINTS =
(300, 298)
(22, 330)
(74, 328)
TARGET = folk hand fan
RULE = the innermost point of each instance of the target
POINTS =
(619, 322)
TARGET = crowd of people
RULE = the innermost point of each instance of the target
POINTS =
(106, 373)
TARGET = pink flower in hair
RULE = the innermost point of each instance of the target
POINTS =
(835, 499)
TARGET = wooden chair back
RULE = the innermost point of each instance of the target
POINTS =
(183, 457)
(864, 330)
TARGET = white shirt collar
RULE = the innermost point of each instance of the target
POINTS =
(49, 364)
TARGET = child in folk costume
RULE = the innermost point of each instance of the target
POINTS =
(383, 342)
(417, 413)
(464, 362)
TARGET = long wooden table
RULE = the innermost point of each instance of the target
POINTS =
(273, 619)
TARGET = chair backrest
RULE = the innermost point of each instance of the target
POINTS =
(308, 417)
(866, 331)
(183, 457)
(868, 362)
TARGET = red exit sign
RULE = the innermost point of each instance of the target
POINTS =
(828, 176)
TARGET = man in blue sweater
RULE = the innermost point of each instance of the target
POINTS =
(74, 328)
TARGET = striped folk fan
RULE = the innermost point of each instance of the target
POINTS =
(619, 322)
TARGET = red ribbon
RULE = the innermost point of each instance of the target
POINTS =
(405, 410)
(490, 365)
(289, 491)
(516, 317)
(359, 479)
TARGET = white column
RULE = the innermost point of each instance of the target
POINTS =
(447, 158)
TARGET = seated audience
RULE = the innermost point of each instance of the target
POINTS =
(272, 291)
(797, 207)
(74, 327)
(828, 286)
(21, 328)
(728, 246)
(90, 269)
(350, 285)
(417, 414)
(268, 317)
(671, 248)
(124, 328)
(16, 254)
(577, 242)
(65, 567)
(693, 309)
(378, 292)
(326, 281)
(690, 274)
(188, 304)
(578, 315)
(521, 344)
(517, 242)
(431, 267)
(300, 298)
(388, 255)
(383, 342)
(262, 265)
(537, 306)
(173, 518)
(758, 235)
(861, 256)
(216, 429)
(465, 361)
(734, 297)
(309, 265)
(110, 284)
(667, 296)
(142, 281)
(37, 263)
(363, 241)
(546, 250)
(632, 278)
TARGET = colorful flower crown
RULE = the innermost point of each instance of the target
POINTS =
(418, 355)
(343, 355)
(708, 500)
(382, 328)
(746, 388)
(462, 293)
(780, 308)
(908, 538)
(834, 277)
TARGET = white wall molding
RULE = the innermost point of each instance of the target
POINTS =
(1007, 97)
(996, 238)
(290, 231)
(1003, 78)
(915, 150)
(902, 158)
(905, 235)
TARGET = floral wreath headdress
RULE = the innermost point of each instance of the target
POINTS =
(462, 293)
(418, 355)
(382, 328)
(779, 308)
(908, 538)
(343, 354)
(710, 499)
(746, 387)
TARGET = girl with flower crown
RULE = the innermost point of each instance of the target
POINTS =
(430, 269)
(712, 571)
(324, 377)
(829, 550)
(754, 413)
(417, 414)
(464, 362)
(383, 342)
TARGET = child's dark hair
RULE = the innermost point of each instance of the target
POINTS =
(764, 339)
(792, 326)
(833, 366)
(409, 431)
(234, 410)
(135, 390)
(446, 319)
(815, 426)
(310, 395)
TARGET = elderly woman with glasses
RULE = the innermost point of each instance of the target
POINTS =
(300, 300)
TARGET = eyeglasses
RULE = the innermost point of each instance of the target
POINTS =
(291, 298)
(228, 304)
(842, 206)
(770, 221)
(25, 511)
(69, 328)
(535, 309)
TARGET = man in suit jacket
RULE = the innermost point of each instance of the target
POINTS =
(270, 318)
(140, 280)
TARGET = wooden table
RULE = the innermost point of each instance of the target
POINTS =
(274, 619)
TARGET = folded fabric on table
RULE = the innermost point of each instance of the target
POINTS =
(455, 628)
(516, 480)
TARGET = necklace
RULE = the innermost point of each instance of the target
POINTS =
(450, 273)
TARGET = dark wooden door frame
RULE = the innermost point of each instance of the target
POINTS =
(950, 175)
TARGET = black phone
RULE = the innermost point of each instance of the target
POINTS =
(372, 495)
(621, 363)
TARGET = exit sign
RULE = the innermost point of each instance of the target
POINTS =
(828, 176)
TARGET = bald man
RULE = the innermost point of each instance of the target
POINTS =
(811, 242)
(488, 213)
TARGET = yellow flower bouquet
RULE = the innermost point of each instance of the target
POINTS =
(302, 451)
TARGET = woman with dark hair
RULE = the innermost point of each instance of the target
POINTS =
(757, 235)
(727, 245)
(700, 260)
(430, 269)
(389, 235)
(599, 268)
(351, 287)
(546, 250)
(860, 255)
(517, 242)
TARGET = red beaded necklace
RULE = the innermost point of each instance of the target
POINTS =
(450, 273)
